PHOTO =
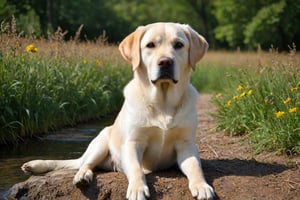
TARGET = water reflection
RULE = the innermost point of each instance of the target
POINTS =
(64, 144)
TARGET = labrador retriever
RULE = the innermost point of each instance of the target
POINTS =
(157, 124)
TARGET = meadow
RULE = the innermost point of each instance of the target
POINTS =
(47, 84)
(50, 83)
(263, 101)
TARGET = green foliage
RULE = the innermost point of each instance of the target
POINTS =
(265, 105)
(266, 20)
(205, 76)
(5, 9)
(224, 23)
(232, 16)
(37, 95)
(29, 23)
(257, 23)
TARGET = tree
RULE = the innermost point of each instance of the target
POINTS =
(272, 25)
(224, 23)
(247, 24)
(5, 9)
(232, 17)
(206, 18)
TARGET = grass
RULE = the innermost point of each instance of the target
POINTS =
(211, 77)
(54, 83)
(265, 104)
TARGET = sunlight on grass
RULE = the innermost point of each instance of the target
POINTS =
(46, 84)
(266, 106)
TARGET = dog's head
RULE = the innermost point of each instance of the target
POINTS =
(166, 51)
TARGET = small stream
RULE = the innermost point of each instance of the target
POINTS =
(63, 144)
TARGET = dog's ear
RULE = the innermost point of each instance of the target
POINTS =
(130, 47)
(198, 46)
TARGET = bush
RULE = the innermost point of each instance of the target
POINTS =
(265, 105)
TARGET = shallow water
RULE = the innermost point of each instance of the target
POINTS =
(64, 144)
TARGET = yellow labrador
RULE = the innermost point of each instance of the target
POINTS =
(157, 124)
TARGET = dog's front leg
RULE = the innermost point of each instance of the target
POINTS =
(132, 153)
(189, 163)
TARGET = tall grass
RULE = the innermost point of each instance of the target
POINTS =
(55, 83)
(61, 83)
(265, 104)
(211, 77)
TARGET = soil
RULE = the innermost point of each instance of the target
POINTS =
(229, 164)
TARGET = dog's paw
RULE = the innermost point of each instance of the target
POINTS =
(202, 191)
(137, 191)
(34, 167)
(83, 176)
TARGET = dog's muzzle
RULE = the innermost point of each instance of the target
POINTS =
(166, 70)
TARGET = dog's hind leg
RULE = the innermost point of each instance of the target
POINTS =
(95, 155)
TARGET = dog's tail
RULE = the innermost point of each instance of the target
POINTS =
(43, 166)
(96, 153)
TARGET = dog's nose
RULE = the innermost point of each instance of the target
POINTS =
(165, 62)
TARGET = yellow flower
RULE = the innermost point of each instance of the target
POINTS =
(84, 61)
(287, 100)
(235, 97)
(218, 95)
(250, 92)
(294, 89)
(31, 48)
(239, 88)
(279, 114)
(243, 94)
(292, 110)
(229, 103)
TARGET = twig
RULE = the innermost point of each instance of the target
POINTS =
(216, 154)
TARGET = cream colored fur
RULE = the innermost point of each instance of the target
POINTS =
(157, 124)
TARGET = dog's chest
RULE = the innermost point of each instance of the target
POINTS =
(163, 121)
(160, 151)
(163, 118)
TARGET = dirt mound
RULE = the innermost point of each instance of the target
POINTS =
(229, 165)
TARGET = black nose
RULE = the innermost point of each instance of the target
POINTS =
(165, 62)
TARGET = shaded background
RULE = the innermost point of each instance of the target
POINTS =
(227, 24)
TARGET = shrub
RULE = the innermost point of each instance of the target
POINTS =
(265, 105)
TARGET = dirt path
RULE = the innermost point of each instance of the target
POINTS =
(228, 162)
(236, 172)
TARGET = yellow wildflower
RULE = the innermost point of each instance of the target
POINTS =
(239, 88)
(229, 103)
(287, 100)
(243, 94)
(279, 114)
(292, 110)
(218, 95)
(294, 89)
(250, 92)
(31, 48)
(235, 97)
(84, 61)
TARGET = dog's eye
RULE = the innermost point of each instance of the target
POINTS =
(150, 45)
(178, 45)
